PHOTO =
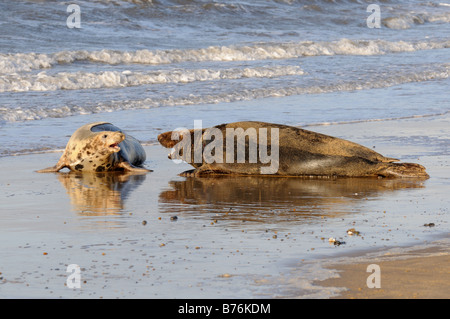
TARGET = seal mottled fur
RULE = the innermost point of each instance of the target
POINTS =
(303, 153)
(101, 147)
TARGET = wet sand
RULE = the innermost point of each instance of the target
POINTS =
(407, 274)
(232, 237)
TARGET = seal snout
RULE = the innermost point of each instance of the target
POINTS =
(120, 138)
(165, 139)
(113, 139)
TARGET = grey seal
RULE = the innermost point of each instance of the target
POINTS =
(101, 147)
(300, 153)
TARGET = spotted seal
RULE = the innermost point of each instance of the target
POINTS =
(300, 153)
(101, 147)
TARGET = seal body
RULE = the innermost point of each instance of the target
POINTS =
(299, 153)
(101, 147)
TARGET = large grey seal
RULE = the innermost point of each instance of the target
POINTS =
(101, 147)
(300, 153)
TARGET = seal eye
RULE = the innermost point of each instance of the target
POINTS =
(105, 136)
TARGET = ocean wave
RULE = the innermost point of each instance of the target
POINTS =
(112, 79)
(36, 113)
(25, 62)
(406, 21)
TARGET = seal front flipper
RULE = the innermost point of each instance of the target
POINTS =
(203, 171)
(131, 168)
(189, 173)
(404, 170)
(59, 166)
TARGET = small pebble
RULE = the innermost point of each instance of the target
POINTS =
(352, 231)
(338, 243)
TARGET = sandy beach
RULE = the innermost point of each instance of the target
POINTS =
(414, 273)
(160, 235)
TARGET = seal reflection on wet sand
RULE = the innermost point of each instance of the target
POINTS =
(99, 194)
(258, 197)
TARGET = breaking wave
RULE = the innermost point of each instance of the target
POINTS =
(36, 113)
(26, 62)
(112, 79)
(406, 21)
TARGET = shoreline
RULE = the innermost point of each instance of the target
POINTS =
(414, 272)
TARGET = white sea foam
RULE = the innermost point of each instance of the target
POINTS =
(406, 21)
(112, 79)
(24, 114)
(20, 62)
